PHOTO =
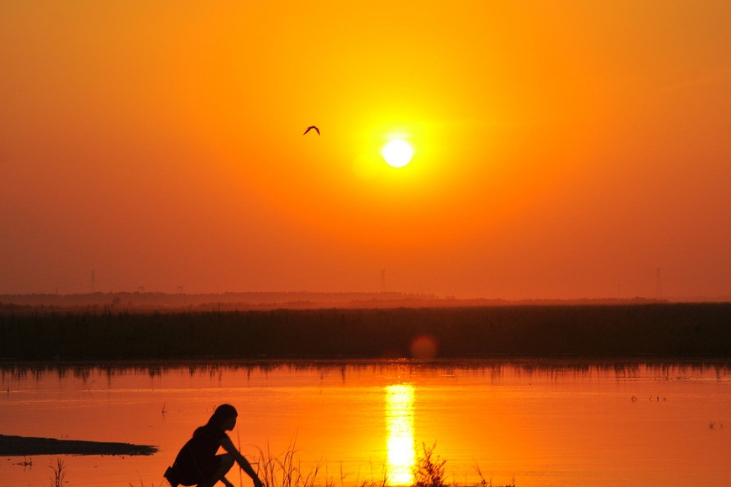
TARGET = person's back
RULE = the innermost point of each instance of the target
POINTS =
(197, 459)
(197, 462)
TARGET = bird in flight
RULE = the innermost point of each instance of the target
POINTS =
(310, 128)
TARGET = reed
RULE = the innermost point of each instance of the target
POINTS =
(488, 482)
(429, 470)
(285, 469)
(658, 330)
(59, 473)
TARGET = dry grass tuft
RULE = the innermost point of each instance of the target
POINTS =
(59, 473)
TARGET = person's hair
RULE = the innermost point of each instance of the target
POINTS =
(221, 414)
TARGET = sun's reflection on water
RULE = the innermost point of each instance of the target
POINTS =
(400, 427)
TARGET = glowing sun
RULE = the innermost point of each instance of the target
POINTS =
(397, 153)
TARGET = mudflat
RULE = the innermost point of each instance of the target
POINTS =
(13, 446)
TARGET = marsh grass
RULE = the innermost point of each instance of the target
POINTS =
(285, 470)
(488, 482)
(429, 470)
(59, 473)
(653, 330)
(380, 480)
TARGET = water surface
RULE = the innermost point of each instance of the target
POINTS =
(534, 423)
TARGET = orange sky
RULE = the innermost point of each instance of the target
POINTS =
(563, 149)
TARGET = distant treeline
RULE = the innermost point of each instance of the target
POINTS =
(229, 301)
(649, 330)
(146, 302)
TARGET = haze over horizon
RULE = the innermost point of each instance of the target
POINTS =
(562, 149)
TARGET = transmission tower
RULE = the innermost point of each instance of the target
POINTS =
(383, 280)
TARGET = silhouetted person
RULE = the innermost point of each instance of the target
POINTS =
(310, 128)
(197, 462)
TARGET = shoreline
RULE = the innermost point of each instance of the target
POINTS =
(24, 446)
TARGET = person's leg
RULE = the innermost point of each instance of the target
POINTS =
(227, 461)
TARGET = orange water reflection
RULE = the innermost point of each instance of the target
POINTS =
(400, 429)
(548, 424)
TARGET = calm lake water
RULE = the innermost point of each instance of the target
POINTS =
(532, 423)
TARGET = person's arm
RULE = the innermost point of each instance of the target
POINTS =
(228, 445)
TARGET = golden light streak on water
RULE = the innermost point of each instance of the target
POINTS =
(400, 428)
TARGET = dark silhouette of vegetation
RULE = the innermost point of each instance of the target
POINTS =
(59, 473)
(429, 470)
(652, 330)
